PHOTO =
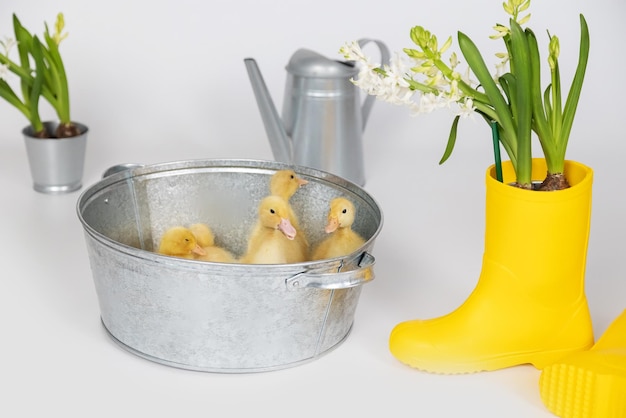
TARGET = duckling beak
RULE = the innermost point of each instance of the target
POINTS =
(332, 225)
(302, 182)
(286, 228)
(198, 250)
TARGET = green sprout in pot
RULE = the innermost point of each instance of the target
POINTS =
(30, 83)
(41, 72)
(510, 102)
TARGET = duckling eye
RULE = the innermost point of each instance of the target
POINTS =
(293, 177)
(344, 211)
(186, 239)
(272, 211)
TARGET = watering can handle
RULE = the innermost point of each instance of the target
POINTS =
(384, 59)
(342, 280)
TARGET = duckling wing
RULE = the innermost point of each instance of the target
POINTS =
(338, 245)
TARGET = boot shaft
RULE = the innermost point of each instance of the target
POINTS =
(529, 304)
(540, 236)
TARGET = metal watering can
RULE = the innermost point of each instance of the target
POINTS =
(323, 115)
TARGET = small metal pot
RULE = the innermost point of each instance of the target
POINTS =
(56, 164)
(230, 318)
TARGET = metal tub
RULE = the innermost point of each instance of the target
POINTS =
(214, 317)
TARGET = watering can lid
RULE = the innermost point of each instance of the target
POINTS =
(307, 63)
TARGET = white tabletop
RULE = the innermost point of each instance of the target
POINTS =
(57, 356)
(57, 359)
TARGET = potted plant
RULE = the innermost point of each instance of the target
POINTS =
(56, 149)
(529, 304)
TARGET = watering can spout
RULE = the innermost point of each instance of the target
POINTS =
(323, 116)
(277, 136)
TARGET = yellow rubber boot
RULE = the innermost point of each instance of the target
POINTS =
(590, 384)
(529, 304)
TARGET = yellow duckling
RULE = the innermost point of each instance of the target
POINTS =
(343, 240)
(206, 239)
(272, 240)
(179, 242)
(204, 235)
(285, 183)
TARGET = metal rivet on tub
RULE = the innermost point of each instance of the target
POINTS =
(106, 201)
(296, 284)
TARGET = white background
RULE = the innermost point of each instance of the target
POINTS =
(165, 80)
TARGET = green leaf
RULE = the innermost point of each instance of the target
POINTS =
(506, 80)
(59, 79)
(508, 85)
(451, 140)
(24, 45)
(523, 106)
(477, 64)
(7, 93)
(37, 86)
(577, 83)
(540, 115)
(547, 103)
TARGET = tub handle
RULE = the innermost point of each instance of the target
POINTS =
(119, 167)
(341, 280)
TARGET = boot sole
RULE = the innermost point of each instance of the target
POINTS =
(539, 360)
(574, 391)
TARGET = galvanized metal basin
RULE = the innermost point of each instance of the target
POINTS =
(214, 317)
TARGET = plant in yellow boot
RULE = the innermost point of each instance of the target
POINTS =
(590, 384)
(529, 305)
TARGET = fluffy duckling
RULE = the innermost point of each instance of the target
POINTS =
(272, 240)
(343, 240)
(285, 183)
(206, 239)
(204, 235)
(180, 242)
